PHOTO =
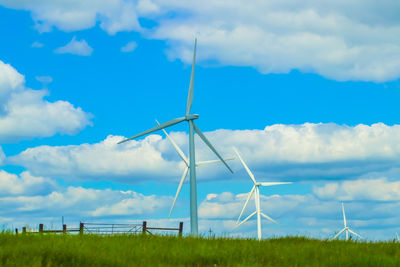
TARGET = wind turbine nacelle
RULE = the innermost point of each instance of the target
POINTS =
(191, 117)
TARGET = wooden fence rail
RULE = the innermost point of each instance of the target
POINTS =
(106, 228)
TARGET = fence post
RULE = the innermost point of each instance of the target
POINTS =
(16, 231)
(41, 228)
(144, 227)
(24, 230)
(64, 228)
(81, 225)
(180, 228)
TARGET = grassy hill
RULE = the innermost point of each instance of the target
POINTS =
(139, 250)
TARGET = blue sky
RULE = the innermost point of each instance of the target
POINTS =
(308, 94)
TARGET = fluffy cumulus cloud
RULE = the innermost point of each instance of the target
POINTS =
(37, 44)
(10, 81)
(294, 152)
(32, 198)
(24, 184)
(129, 162)
(342, 40)
(129, 47)
(44, 79)
(360, 189)
(112, 15)
(352, 40)
(24, 113)
(75, 47)
(79, 201)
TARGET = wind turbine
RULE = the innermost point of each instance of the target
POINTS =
(346, 228)
(255, 190)
(186, 161)
(192, 163)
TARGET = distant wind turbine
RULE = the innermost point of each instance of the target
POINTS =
(255, 190)
(346, 228)
(192, 163)
(186, 161)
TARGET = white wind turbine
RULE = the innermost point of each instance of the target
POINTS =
(346, 228)
(255, 190)
(186, 161)
(190, 118)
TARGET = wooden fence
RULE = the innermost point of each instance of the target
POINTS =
(106, 229)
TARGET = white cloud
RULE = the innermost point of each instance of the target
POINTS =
(129, 47)
(44, 79)
(25, 114)
(79, 202)
(299, 152)
(10, 81)
(37, 44)
(147, 7)
(75, 47)
(279, 36)
(342, 40)
(129, 162)
(134, 203)
(361, 189)
(25, 184)
(113, 15)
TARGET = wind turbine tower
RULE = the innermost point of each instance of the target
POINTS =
(346, 228)
(192, 163)
(255, 190)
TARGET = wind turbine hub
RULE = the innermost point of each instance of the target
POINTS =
(191, 117)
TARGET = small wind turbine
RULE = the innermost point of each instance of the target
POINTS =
(255, 190)
(186, 161)
(192, 163)
(346, 228)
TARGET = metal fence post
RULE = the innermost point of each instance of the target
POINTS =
(64, 228)
(180, 228)
(41, 228)
(144, 227)
(81, 225)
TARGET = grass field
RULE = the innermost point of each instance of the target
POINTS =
(123, 250)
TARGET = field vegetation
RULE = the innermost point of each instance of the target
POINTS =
(152, 250)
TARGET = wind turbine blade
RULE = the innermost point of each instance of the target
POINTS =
(179, 189)
(190, 93)
(269, 218)
(180, 152)
(245, 166)
(338, 234)
(207, 162)
(245, 220)
(277, 183)
(159, 127)
(344, 216)
(245, 204)
(205, 140)
(354, 233)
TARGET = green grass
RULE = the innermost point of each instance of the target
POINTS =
(123, 250)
